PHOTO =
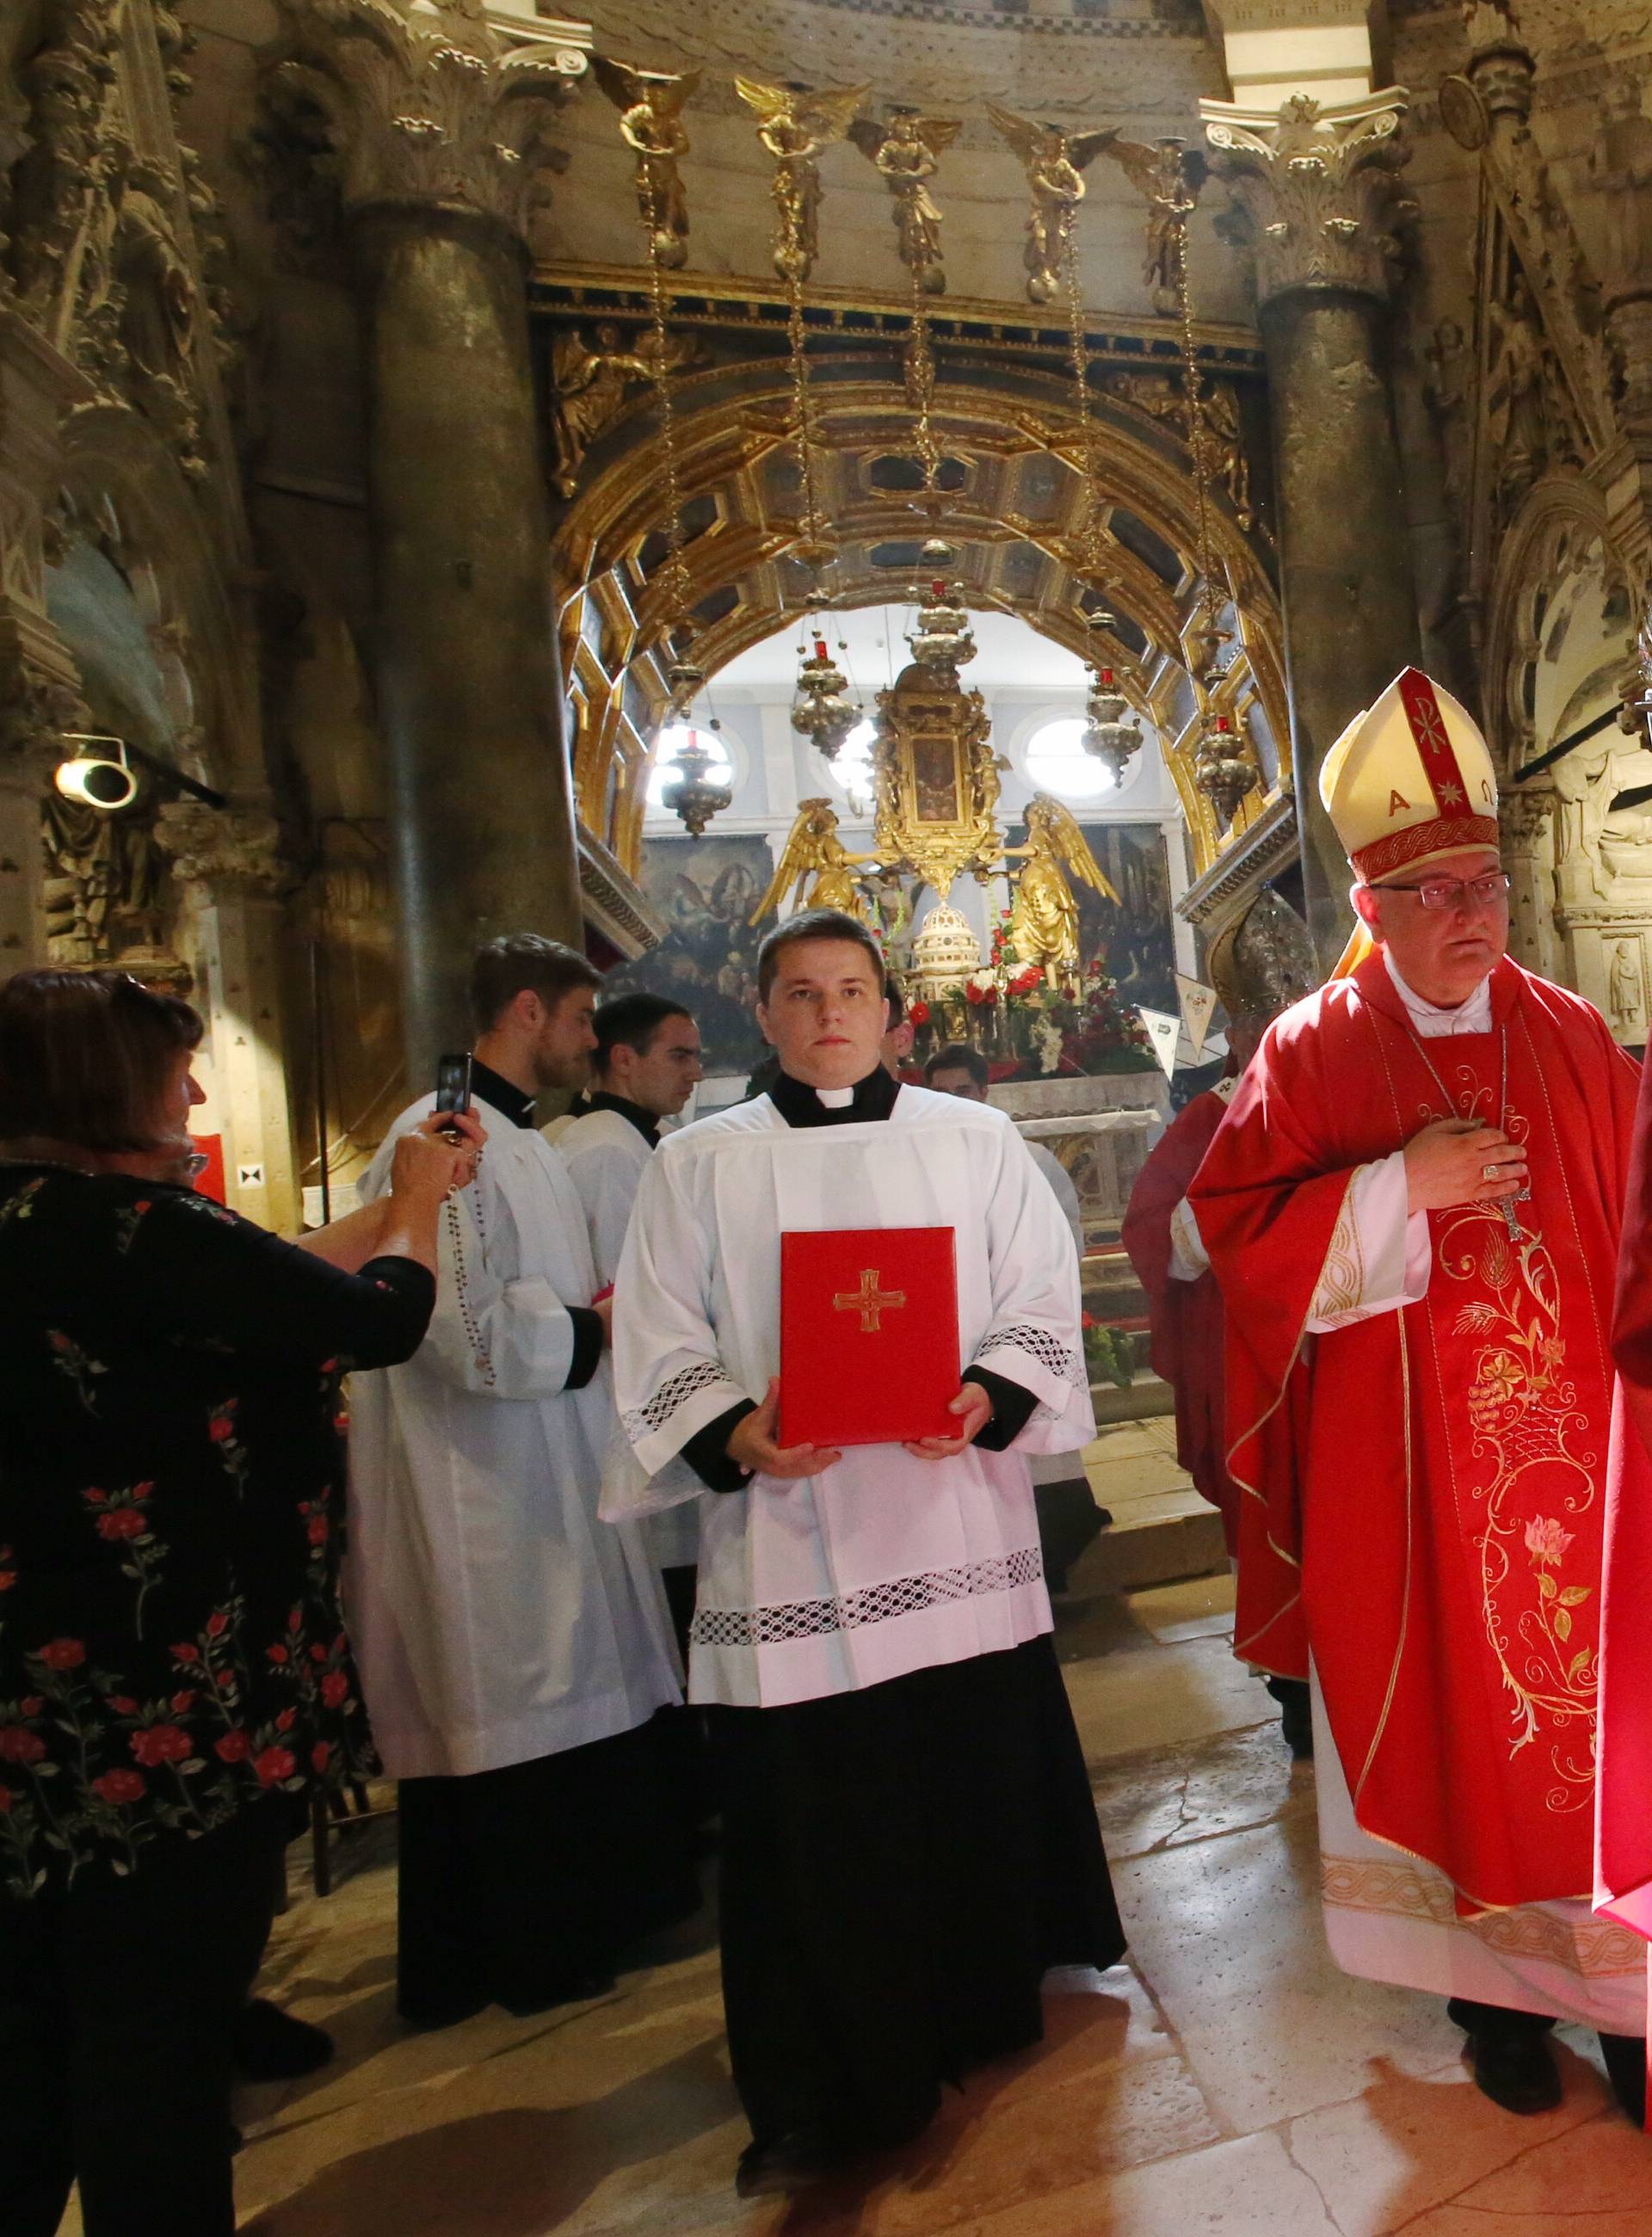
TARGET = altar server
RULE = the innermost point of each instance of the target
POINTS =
(645, 1066)
(908, 1836)
(513, 1650)
(1412, 1208)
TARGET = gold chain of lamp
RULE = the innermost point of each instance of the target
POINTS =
(1090, 560)
(1222, 770)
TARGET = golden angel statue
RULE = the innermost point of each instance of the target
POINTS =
(813, 849)
(905, 151)
(1169, 176)
(590, 381)
(651, 105)
(1044, 921)
(1052, 160)
(794, 125)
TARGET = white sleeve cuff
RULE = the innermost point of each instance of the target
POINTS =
(1188, 1256)
(1380, 1255)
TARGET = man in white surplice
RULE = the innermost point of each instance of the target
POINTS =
(515, 1652)
(646, 1065)
(909, 1838)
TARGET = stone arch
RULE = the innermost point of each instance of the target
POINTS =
(1015, 518)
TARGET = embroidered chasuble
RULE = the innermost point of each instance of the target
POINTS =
(1421, 1445)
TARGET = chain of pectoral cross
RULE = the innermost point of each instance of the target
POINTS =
(1505, 1204)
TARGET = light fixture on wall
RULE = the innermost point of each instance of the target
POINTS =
(100, 780)
(821, 711)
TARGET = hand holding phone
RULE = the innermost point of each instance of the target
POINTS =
(453, 1084)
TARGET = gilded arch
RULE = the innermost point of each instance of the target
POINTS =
(1014, 517)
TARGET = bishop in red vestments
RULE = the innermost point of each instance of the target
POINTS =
(1412, 1211)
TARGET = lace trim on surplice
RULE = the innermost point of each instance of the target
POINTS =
(789, 1619)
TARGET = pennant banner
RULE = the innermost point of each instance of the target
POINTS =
(1163, 1032)
(1197, 1004)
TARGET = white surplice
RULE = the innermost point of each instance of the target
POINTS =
(883, 1563)
(606, 1158)
(1388, 1915)
(495, 1618)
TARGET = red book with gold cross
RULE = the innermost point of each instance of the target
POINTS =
(869, 1335)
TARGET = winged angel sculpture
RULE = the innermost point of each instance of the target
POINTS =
(814, 850)
(1044, 923)
(794, 125)
(906, 151)
(1053, 162)
(650, 104)
(1169, 176)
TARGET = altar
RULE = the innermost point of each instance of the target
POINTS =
(1101, 1126)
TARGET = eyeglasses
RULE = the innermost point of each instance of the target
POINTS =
(1454, 893)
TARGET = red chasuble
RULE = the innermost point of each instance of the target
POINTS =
(1185, 1318)
(1623, 1851)
(1422, 1492)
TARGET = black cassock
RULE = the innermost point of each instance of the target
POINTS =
(901, 1863)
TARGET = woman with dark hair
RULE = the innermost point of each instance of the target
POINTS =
(173, 1675)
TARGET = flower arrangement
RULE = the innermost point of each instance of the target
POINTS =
(1006, 1009)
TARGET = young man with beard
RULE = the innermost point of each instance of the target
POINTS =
(515, 1652)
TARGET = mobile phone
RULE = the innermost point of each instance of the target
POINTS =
(453, 1082)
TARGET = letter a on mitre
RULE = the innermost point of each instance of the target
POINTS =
(1409, 779)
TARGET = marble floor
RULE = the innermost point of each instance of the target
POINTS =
(1226, 2080)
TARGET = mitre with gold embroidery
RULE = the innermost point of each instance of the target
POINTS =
(1409, 779)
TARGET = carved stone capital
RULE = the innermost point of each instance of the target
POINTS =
(424, 103)
(223, 851)
(1315, 192)
(1523, 813)
(1501, 67)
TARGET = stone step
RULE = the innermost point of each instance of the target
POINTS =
(1147, 1397)
(1150, 1550)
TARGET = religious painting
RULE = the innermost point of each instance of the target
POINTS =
(935, 778)
(1134, 939)
(706, 889)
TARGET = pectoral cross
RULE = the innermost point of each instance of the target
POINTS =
(1510, 1216)
(869, 1301)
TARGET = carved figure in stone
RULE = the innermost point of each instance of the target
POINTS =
(906, 151)
(591, 381)
(813, 850)
(1517, 415)
(650, 104)
(1044, 919)
(1445, 390)
(1169, 176)
(794, 125)
(1625, 987)
(1053, 162)
(103, 877)
(1620, 162)
(1222, 439)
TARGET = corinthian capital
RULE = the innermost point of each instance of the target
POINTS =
(224, 850)
(1315, 191)
(424, 101)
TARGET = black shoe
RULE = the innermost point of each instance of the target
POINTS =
(1625, 2057)
(1517, 2069)
(792, 2162)
(1296, 1715)
(576, 1989)
(270, 2045)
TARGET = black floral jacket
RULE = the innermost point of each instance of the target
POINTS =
(171, 1487)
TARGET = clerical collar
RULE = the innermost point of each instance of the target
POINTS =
(645, 1121)
(871, 1098)
(1471, 1016)
(505, 1096)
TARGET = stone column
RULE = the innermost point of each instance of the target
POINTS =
(438, 126)
(1314, 196)
(235, 880)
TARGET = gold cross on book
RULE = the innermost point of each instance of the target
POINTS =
(869, 1300)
